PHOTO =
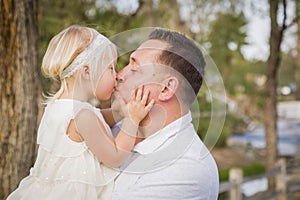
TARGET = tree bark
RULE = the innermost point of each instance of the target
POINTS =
(146, 9)
(270, 116)
(297, 72)
(19, 89)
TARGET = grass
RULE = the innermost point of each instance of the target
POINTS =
(249, 170)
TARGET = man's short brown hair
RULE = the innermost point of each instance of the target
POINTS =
(184, 56)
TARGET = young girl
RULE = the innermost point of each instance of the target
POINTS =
(74, 140)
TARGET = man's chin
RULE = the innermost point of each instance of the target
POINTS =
(117, 96)
(115, 105)
(114, 97)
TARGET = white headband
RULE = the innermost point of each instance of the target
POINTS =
(82, 59)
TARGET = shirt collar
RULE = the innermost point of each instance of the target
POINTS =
(161, 137)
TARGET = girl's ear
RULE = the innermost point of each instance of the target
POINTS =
(169, 88)
(86, 72)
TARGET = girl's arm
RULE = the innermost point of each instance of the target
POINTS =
(113, 152)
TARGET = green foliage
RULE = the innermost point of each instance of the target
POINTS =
(54, 16)
(233, 124)
(226, 132)
(230, 127)
(287, 70)
(57, 15)
(249, 170)
(224, 175)
(254, 169)
(227, 36)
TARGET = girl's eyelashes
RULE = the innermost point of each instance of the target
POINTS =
(111, 67)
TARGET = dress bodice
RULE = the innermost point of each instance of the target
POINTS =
(65, 169)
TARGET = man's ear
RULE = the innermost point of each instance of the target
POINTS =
(169, 88)
(86, 72)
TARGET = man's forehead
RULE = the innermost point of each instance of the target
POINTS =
(154, 44)
(148, 50)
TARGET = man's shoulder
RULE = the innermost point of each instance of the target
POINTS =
(196, 149)
(198, 158)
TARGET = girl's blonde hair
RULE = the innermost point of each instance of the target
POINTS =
(70, 49)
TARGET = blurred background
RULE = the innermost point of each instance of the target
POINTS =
(255, 44)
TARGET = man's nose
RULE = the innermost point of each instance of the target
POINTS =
(119, 77)
(121, 74)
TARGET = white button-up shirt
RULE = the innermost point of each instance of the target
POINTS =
(171, 164)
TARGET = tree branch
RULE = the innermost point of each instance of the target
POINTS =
(141, 5)
(284, 25)
(293, 22)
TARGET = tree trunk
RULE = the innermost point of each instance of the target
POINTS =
(20, 90)
(270, 115)
(297, 71)
(146, 9)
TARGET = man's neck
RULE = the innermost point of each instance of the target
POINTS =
(138, 140)
(156, 123)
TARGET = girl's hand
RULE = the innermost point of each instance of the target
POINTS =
(137, 108)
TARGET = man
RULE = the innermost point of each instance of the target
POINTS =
(169, 160)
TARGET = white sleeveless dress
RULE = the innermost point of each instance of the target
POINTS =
(65, 169)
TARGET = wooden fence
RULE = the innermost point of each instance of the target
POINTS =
(236, 179)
